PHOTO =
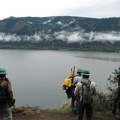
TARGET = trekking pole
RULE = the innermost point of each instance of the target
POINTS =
(74, 70)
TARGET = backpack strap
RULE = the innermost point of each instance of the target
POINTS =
(82, 87)
(3, 87)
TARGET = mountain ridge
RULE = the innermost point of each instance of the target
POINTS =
(35, 24)
(60, 31)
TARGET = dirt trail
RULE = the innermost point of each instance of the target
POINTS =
(46, 115)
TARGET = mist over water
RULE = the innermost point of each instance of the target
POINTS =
(36, 75)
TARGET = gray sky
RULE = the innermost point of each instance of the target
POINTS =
(46, 8)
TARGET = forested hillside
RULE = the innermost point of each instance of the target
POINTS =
(60, 32)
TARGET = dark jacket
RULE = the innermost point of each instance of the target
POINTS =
(6, 85)
(118, 85)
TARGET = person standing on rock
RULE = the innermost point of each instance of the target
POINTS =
(6, 96)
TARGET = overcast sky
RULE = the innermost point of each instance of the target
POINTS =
(45, 8)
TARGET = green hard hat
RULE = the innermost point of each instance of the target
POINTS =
(79, 70)
(86, 72)
(3, 71)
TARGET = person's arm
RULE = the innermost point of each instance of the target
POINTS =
(94, 88)
(77, 88)
(10, 92)
(118, 85)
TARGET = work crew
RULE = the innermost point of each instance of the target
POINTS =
(80, 90)
(6, 96)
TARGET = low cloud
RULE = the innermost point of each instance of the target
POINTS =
(111, 36)
(81, 36)
(71, 36)
(9, 37)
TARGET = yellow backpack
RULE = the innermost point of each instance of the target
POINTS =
(68, 82)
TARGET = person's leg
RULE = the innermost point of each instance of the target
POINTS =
(119, 108)
(1, 115)
(89, 111)
(72, 103)
(80, 112)
(115, 106)
(7, 114)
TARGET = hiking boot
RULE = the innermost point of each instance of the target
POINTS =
(113, 112)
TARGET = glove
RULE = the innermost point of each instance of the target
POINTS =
(12, 102)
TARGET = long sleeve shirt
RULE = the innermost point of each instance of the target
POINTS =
(5, 83)
(77, 79)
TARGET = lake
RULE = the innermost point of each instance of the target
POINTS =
(36, 75)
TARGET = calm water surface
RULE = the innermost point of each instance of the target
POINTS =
(36, 75)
